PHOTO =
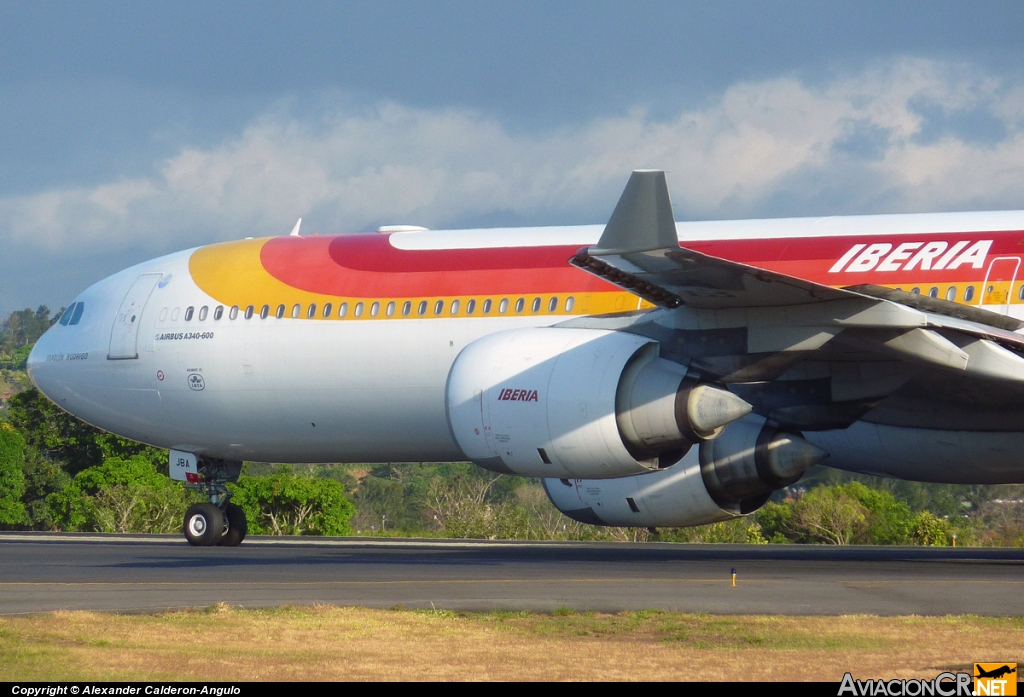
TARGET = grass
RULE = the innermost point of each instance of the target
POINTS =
(332, 643)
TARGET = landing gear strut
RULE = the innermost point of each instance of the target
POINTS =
(218, 522)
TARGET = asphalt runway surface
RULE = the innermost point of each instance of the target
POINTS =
(139, 573)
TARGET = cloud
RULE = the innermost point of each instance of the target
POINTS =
(909, 135)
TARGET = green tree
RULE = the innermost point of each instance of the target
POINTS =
(890, 522)
(23, 327)
(60, 436)
(286, 504)
(776, 521)
(745, 530)
(43, 477)
(120, 495)
(12, 477)
(930, 530)
(462, 509)
(829, 514)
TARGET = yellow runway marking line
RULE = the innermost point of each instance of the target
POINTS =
(421, 582)
(367, 583)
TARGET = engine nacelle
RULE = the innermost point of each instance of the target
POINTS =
(672, 497)
(751, 459)
(724, 478)
(554, 402)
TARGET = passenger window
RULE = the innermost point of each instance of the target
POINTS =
(455, 307)
(296, 310)
(163, 315)
(915, 291)
(265, 312)
(569, 302)
(174, 314)
(327, 310)
(951, 293)
(391, 309)
(358, 311)
(422, 309)
(470, 307)
(487, 306)
(520, 304)
(552, 304)
(77, 314)
(342, 309)
(968, 294)
(202, 313)
(1020, 294)
(188, 313)
(233, 314)
(503, 305)
(374, 309)
(279, 313)
(218, 313)
(248, 311)
(934, 292)
(66, 317)
(311, 311)
(439, 307)
(406, 308)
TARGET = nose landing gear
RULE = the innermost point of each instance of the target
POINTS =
(205, 525)
(237, 526)
(218, 522)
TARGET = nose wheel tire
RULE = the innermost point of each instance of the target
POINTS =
(237, 526)
(204, 525)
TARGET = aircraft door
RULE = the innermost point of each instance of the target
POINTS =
(999, 283)
(125, 334)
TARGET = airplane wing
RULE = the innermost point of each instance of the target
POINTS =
(639, 251)
(783, 319)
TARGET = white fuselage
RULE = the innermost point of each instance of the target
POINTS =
(295, 390)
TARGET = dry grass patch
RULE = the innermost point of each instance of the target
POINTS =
(330, 643)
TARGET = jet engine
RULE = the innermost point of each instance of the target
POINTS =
(726, 477)
(554, 402)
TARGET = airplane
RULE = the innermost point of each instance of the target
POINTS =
(995, 673)
(651, 373)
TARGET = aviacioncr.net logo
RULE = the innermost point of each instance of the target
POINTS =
(942, 685)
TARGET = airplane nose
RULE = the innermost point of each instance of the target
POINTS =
(35, 357)
(36, 366)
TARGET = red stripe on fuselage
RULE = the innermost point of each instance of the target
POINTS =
(810, 258)
(368, 266)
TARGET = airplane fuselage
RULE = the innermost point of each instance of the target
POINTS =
(338, 348)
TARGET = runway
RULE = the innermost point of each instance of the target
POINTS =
(138, 573)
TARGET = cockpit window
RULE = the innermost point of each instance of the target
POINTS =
(66, 317)
(77, 316)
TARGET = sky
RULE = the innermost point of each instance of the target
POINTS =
(129, 130)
